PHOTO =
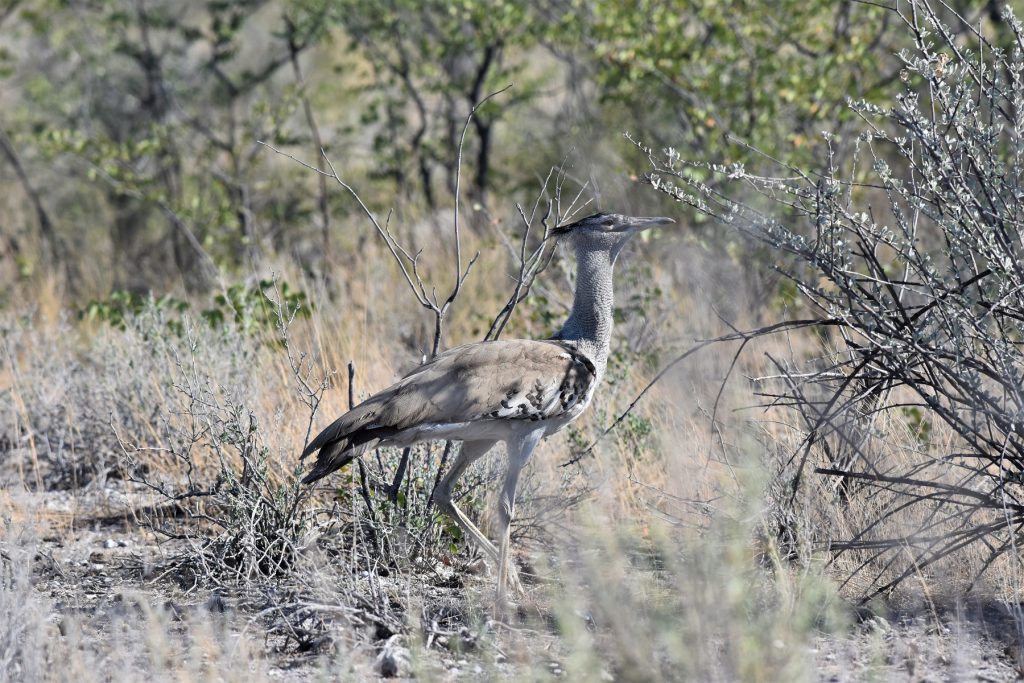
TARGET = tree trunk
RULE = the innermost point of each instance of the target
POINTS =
(481, 178)
(51, 242)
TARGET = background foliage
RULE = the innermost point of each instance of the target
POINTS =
(130, 129)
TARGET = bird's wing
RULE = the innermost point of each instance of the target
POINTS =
(517, 379)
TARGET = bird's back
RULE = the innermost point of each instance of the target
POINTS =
(472, 387)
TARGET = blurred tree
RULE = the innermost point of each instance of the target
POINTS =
(10, 244)
(131, 125)
(433, 61)
(163, 106)
(721, 76)
(700, 75)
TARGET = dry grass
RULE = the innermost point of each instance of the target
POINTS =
(659, 556)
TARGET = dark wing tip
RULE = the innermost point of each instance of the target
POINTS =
(328, 461)
(308, 450)
(332, 457)
(316, 475)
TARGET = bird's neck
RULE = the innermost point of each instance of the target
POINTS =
(590, 323)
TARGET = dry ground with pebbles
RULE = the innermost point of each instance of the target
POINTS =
(96, 604)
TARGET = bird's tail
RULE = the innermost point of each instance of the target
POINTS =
(337, 448)
(330, 459)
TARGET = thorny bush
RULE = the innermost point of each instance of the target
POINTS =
(210, 465)
(906, 250)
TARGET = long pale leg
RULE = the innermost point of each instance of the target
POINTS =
(518, 454)
(470, 453)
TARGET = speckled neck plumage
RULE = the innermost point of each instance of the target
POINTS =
(589, 325)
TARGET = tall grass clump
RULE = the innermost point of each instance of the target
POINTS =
(169, 404)
(23, 629)
(903, 252)
(659, 601)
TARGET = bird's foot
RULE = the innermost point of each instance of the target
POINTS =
(504, 610)
(509, 590)
(515, 586)
(512, 581)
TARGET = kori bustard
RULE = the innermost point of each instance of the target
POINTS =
(516, 391)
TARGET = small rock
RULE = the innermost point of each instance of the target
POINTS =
(465, 641)
(215, 604)
(394, 659)
(111, 543)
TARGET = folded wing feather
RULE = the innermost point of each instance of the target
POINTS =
(509, 380)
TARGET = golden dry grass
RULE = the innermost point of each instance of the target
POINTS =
(665, 567)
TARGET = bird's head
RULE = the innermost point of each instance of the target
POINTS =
(607, 231)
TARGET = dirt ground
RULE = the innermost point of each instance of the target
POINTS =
(100, 576)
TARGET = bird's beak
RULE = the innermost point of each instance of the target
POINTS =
(637, 224)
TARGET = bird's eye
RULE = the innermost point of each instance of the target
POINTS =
(608, 223)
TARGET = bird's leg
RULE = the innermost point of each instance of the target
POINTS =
(470, 453)
(518, 453)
